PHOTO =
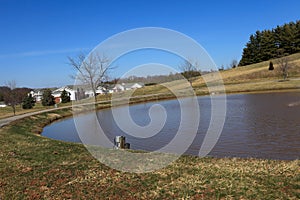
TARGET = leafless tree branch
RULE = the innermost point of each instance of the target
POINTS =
(92, 70)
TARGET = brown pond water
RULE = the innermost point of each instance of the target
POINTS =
(256, 125)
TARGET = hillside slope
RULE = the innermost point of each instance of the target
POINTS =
(251, 78)
(256, 77)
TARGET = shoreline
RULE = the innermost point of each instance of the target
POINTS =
(3, 121)
(34, 166)
(55, 115)
(7, 121)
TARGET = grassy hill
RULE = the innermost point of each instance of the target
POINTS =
(251, 78)
(258, 77)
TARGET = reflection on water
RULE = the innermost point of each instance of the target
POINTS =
(257, 125)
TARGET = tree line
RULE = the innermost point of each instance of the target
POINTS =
(268, 44)
(13, 96)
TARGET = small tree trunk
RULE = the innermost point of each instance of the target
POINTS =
(95, 96)
(14, 109)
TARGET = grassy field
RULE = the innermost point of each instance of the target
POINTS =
(252, 78)
(8, 112)
(257, 77)
(34, 167)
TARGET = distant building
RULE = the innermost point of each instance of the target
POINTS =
(136, 85)
(127, 86)
(37, 95)
(57, 93)
(2, 105)
(99, 90)
(77, 92)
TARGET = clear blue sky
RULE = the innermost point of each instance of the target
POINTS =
(37, 36)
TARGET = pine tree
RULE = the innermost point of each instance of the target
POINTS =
(65, 97)
(268, 47)
(298, 36)
(28, 102)
(48, 98)
(265, 45)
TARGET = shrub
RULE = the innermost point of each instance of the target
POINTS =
(271, 67)
(65, 97)
(48, 98)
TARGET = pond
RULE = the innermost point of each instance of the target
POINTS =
(256, 125)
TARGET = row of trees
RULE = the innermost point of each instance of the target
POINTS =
(93, 71)
(13, 96)
(268, 44)
(49, 100)
(189, 69)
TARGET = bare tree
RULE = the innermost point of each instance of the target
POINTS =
(92, 70)
(283, 64)
(189, 69)
(10, 95)
(234, 63)
(14, 96)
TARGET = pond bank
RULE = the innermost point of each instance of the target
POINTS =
(36, 167)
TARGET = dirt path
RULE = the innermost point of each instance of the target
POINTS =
(6, 121)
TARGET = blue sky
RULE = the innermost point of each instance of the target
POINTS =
(37, 36)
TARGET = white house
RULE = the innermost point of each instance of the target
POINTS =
(57, 93)
(37, 95)
(119, 87)
(137, 85)
(99, 90)
(127, 86)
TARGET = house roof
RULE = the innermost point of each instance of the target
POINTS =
(129, 85)
(62, 89)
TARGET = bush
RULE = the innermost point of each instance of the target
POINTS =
(48, 98)
(65, 97)
(271, 67)
(149, 84)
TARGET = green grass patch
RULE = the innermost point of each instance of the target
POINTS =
(34, 167)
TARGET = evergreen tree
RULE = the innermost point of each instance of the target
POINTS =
(268, 47)
(288, 37)
(249, 52)
(298, 36)
(48, 98)
(265, 45)
(65, 97)
(28, 102)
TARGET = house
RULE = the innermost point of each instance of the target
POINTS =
(99, 90)
(136, 85)
(110, 89)
(37, 95)
(127, 86)
(2, 105)
(119, 87)
(57, 93)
